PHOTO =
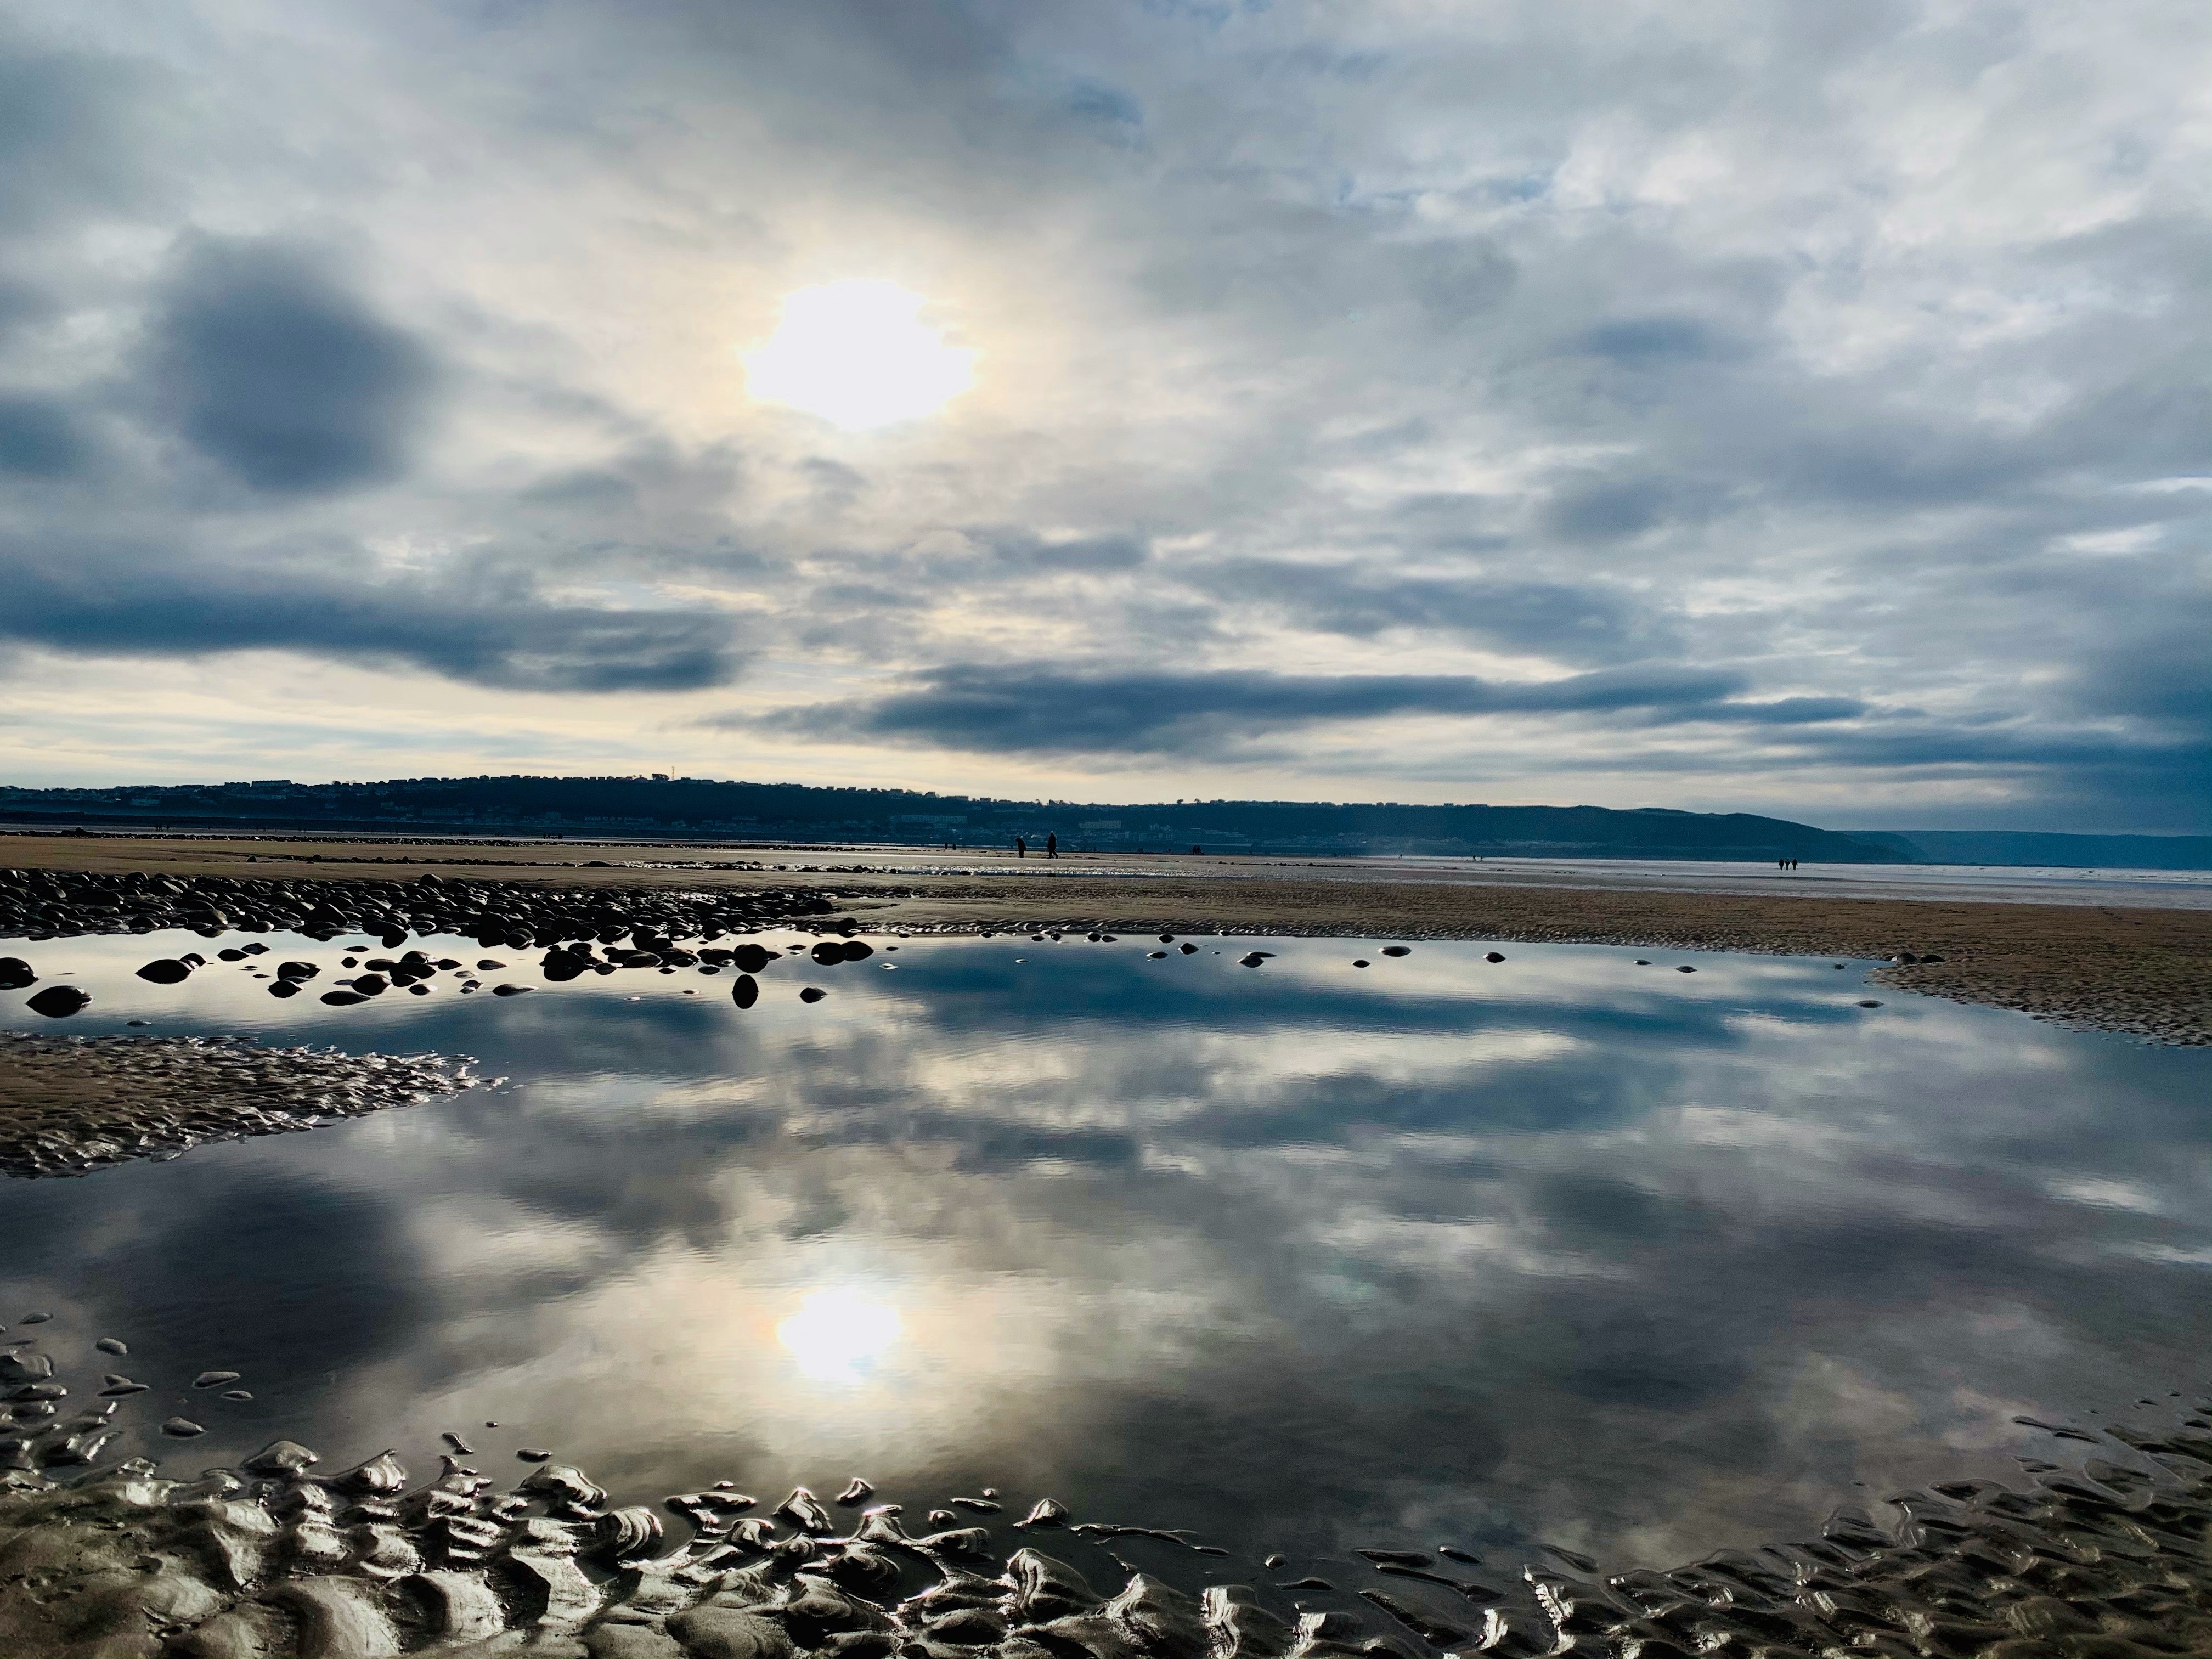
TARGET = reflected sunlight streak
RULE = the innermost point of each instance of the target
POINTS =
(835, 1334)
(857, 354)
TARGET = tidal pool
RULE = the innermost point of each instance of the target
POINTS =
(1305, 1257)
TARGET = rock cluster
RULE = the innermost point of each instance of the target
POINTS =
(272, 1560)
(56, 903)
(71, 1105)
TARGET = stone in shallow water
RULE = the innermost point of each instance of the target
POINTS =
(509, 990)
(25, 1367)
(812, 993)
(182, 1427)
(1493, 956)
(235, 1393)
(533, 1454)
(214, 1379)
(16, 973)
(167, 971)
(1397, 949)
(857, 1491)
(59, 1001)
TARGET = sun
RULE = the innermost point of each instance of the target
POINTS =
(857, 354)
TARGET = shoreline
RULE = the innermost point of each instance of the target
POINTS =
(2134, 971)
(273, 1560)
(72, 1105)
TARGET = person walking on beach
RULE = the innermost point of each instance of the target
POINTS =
(1052, 844)
(1021, 848)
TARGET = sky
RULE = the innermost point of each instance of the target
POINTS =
(1776, 407)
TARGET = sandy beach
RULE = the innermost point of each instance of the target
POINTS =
(2139, 970)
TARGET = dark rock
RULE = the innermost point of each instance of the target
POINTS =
(1684, 968)
(1251, 958)
(745, 992)
(509, 990)
(371, 984)
(16, 973)
(1187, 949)
(59, 1001)
(281, 988)
(1869, 1002)
(165, 970)
(1046, 1512)
(26, 1367)
(343, 999)
(114, 1345)
(1493, 956)
(182, 1428)
(857, 1491)
(1397, 949)
(214, 1379)
(812, 993)
(531, 1454)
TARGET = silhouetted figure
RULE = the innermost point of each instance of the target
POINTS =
(1021, 848)
(1052, 845)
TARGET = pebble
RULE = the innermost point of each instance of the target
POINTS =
(508, 990)
(1870, 1004)
(182, 1428)
(1361, 962)
(1493, 956)
(235, 1393)
(1686, 968)
(59, 1001)
(214, 1379)
(857, 1491)
(812, 993)
(113, 1344)
(531, 1454)
(1397, 949)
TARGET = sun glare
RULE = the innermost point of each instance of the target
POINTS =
(857, 354)
(836, 1333)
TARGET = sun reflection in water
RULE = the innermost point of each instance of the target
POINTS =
(836, 1333)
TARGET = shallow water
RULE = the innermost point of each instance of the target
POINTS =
(1304, 1257)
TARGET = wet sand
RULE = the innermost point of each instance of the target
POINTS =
(281, 1559)
(71, 1105)
(2143, 971)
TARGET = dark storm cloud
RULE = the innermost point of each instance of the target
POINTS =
(1037, 708)
(272, 368)
(133, 601)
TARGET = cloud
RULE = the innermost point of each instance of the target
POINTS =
(112, 600)
(272, 368)
(1037, 707)
(1315, 347)
(1565, 622)
(38, 437)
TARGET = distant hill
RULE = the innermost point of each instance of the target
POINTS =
(2037, 847)
(701, 808)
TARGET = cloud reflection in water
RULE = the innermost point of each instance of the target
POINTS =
(1560, 1248)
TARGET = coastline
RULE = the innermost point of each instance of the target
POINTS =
(2137, 971)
